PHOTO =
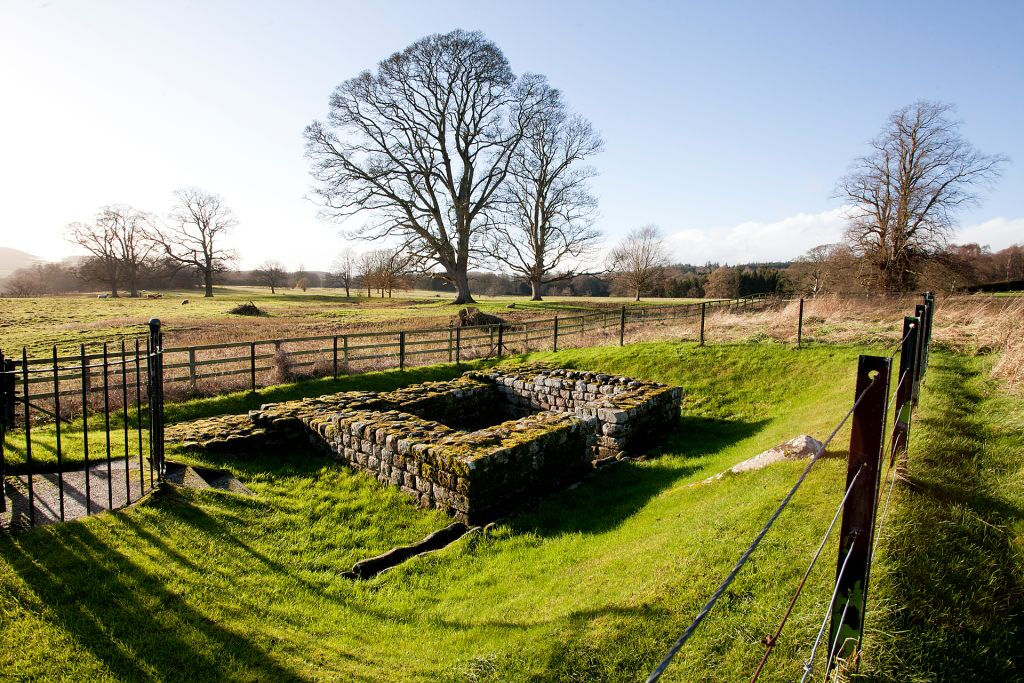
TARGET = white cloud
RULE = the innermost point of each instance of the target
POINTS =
(997, 233)
(751, 241)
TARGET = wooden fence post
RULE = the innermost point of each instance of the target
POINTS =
(905, 387)
(334, 356)
(252, 366)
(800, 326)
(450, 338)
(554, 336)
(344, 350)
(703, 312)
(501, 333)
(864, 468)
(192, 368)
(622, 327)
(401, 350)
(458, 345)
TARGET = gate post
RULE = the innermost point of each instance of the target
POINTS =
(7, 382)
(867, 436)
(156, 396)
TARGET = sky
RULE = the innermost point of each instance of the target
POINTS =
(727, 124)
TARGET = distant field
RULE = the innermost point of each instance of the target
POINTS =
(67, 321)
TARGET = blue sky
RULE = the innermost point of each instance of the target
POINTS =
(727, 124)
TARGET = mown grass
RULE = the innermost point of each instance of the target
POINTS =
(949, 597)
(592, 584)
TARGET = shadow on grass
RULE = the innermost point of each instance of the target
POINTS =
(612, 495)
(952, 582)
(131, 619)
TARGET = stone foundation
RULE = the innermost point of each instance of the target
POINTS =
(476, 446)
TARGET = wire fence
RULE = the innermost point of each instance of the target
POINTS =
(861, 526)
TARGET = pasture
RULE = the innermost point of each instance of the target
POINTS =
(70, 320)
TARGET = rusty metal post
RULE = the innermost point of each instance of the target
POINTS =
(554, 336)
(800, 326)
(401, 350)
(867, 437)
(458, 345)
(703, 312)
(7, 383)
(929, 304)
(501, 335)
(905, 387)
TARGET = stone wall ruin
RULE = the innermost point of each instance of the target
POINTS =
(476, 446)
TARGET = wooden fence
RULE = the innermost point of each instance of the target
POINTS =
(231, 366)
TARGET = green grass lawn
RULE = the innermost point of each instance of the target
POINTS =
(593, 584)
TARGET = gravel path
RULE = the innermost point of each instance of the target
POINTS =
(47, 498)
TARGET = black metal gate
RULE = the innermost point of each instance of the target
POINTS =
(80, 433)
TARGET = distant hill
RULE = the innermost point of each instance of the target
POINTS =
(12, 259)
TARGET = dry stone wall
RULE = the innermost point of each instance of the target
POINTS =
(476, 446)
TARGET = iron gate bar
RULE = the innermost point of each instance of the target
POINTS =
(124, 418)
(905, 388)
(28, 439)
(56, 410)
(138, 416)
(106, 426)
(85, 430)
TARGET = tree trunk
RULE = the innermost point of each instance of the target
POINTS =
(637, 295)
(208, 283)
(462, 295)
(346, 292)
(113, 290)
(535, 287)
(272, 289)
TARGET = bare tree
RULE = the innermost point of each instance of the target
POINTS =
(198, 222)
(390, 268)
(638, 261)
(811, 272)
(548, 208)
(119, 242)
(272, 274)
(422, 144)
(366, 271)
(905, 194)
(105, 263)
(344, 270)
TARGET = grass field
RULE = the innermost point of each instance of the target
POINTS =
(593, 584)
(39, 323)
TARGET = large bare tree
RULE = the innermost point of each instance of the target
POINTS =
(192, 237)
(119, 242)
(639, 260)
(422, 144)
(548, 208)
(272, 274)
(906, 192)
